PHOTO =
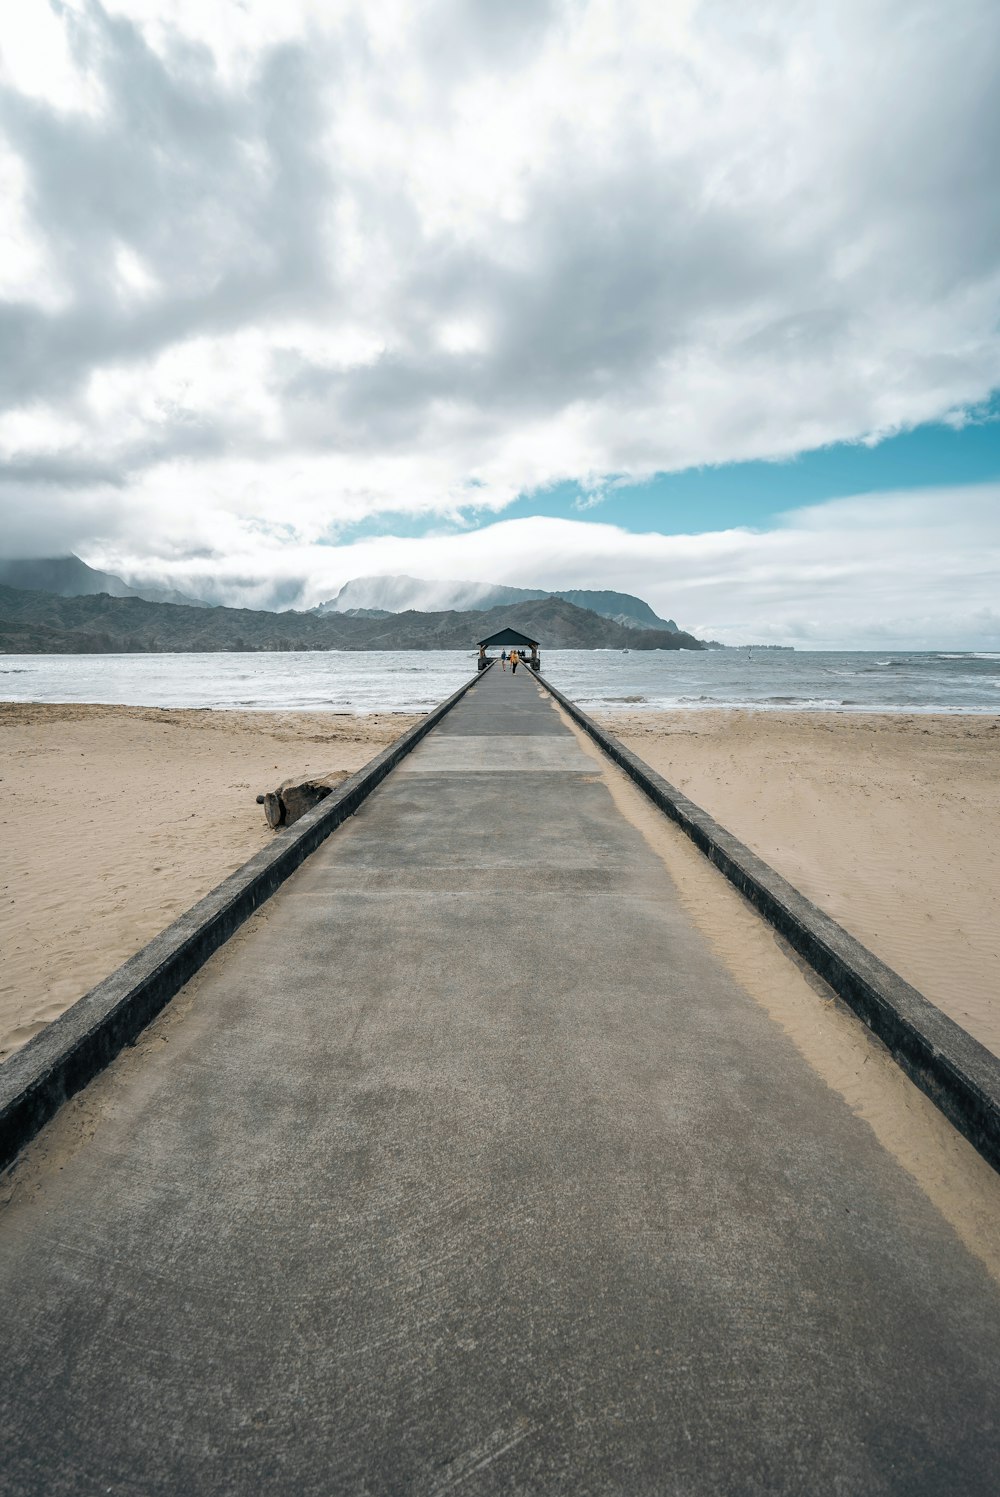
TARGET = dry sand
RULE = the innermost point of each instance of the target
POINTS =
(115, 820)
(889, 823)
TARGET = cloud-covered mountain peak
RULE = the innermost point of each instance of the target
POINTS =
(399, 594)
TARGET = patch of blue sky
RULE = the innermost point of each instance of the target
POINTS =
(753, 493)
(747, 494)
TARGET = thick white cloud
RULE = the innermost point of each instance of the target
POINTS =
(271, 268)
(902, 570)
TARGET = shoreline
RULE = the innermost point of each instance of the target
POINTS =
(116, 819)
(628, 706)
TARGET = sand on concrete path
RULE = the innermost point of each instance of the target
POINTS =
(114, 820)
(890, 823)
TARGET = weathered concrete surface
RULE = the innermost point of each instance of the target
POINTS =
(959, 1074)
(487, 1176)
(77, 1046)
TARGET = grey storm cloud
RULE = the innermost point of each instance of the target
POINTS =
(550, 262)
(622, 272)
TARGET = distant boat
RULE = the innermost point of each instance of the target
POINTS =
(626, 651)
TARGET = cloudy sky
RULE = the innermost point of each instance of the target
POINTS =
(695, 300)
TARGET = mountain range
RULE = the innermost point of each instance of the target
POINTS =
(69, 577)
(59, 604)
(363, 597)
(34, 622)
(373, 597)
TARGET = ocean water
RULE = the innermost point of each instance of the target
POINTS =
(377, 681)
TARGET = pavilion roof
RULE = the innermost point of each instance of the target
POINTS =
(509, 637)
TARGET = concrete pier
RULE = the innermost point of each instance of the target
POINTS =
(467, 1164)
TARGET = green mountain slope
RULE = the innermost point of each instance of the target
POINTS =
(367, 595)
(69, 577)
(42, 623)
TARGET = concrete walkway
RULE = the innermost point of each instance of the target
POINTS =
(467, 1165)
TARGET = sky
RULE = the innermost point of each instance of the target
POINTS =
(698, 301)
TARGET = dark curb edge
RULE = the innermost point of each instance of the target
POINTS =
(959, 1074)
(62, 1058)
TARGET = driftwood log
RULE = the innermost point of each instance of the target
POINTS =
(295, 797)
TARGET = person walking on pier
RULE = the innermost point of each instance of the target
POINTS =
(503, 660)
(515, 661)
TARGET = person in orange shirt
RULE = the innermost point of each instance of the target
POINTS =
(515, 661)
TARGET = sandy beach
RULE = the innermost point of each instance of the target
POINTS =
(890, 823)
(116, 819)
